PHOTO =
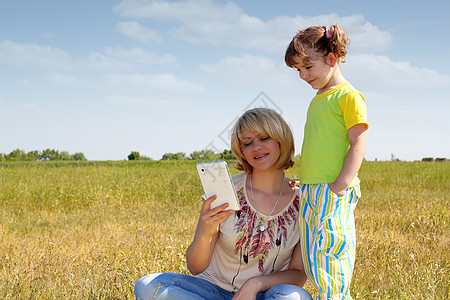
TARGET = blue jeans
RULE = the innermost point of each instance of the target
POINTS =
(186, 287)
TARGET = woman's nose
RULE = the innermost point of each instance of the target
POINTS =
(256, 145)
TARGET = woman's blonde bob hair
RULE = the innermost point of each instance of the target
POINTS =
(263, 121)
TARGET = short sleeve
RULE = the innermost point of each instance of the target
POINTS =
(354, 110)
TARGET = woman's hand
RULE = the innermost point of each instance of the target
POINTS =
(199, 253)
(249, 290)
(210, 218)
(295, 275)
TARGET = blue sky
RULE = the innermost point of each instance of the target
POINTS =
(109, 77)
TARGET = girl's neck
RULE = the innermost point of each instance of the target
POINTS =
(336, 79)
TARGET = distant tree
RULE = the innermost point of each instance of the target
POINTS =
(78, 156)
(50, 154)
(180, 156)
(226, 155)
(428, 159)
(393, 158)
(34, 155)
(174, 156)
(45, 154)
(64, 155)
(17, 154)
(166, 156)
(134, 155)
(204, 155)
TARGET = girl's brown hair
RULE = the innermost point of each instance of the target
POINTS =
(263, 121)
(320, 39)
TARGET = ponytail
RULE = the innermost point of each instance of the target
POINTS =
(338, 41)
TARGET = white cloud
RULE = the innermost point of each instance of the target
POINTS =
(33, 56)
(142, 58)
(207, 22)
(365, 37)
(184, 11)
(138, 32)
(64, 79)
(119, 59)
(250, 70)
(150, 83)
(382, 72)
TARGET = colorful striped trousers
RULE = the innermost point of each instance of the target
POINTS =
(328, 243)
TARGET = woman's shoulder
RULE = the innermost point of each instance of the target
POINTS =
(238, 180)
(294, 198)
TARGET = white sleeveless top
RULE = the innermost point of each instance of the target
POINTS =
(243, 251)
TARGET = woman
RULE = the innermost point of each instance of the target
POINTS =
(253, 253)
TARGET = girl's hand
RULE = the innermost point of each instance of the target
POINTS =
(210, 219)
(294, 183)
(337, 188)
(249, 290)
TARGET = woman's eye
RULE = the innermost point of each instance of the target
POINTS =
(265, 138)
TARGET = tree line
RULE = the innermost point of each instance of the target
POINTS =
(53, 155)
(207, 155)
(44, 155)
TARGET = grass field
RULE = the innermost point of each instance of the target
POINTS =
(90, 230)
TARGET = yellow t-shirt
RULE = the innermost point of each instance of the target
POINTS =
(325, 141)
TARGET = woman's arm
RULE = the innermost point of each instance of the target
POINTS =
(295, 275)
(199, 253)
(355, 155)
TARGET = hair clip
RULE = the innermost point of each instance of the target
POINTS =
(327, 32)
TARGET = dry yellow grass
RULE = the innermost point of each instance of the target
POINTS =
(90, 230)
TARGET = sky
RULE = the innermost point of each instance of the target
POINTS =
(109, 77)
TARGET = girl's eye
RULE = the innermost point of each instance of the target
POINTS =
(265, 138)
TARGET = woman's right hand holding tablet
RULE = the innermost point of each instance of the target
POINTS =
(199, 253)
(210, 218)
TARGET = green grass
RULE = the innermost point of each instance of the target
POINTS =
(89, 230)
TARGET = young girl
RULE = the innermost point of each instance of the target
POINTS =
(253, 253)
(333, 149)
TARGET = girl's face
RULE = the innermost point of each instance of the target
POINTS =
(318, 71)
(261, 151)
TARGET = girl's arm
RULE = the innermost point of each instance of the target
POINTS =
(199, 253)
(353, 160)
(295, 275)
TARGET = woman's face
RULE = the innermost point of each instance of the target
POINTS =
(260, 150)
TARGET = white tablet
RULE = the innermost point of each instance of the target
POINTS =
(216, 180)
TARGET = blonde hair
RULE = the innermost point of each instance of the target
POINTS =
(263, 121)
(322, 40)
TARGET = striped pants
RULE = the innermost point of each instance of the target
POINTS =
(328, 242)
